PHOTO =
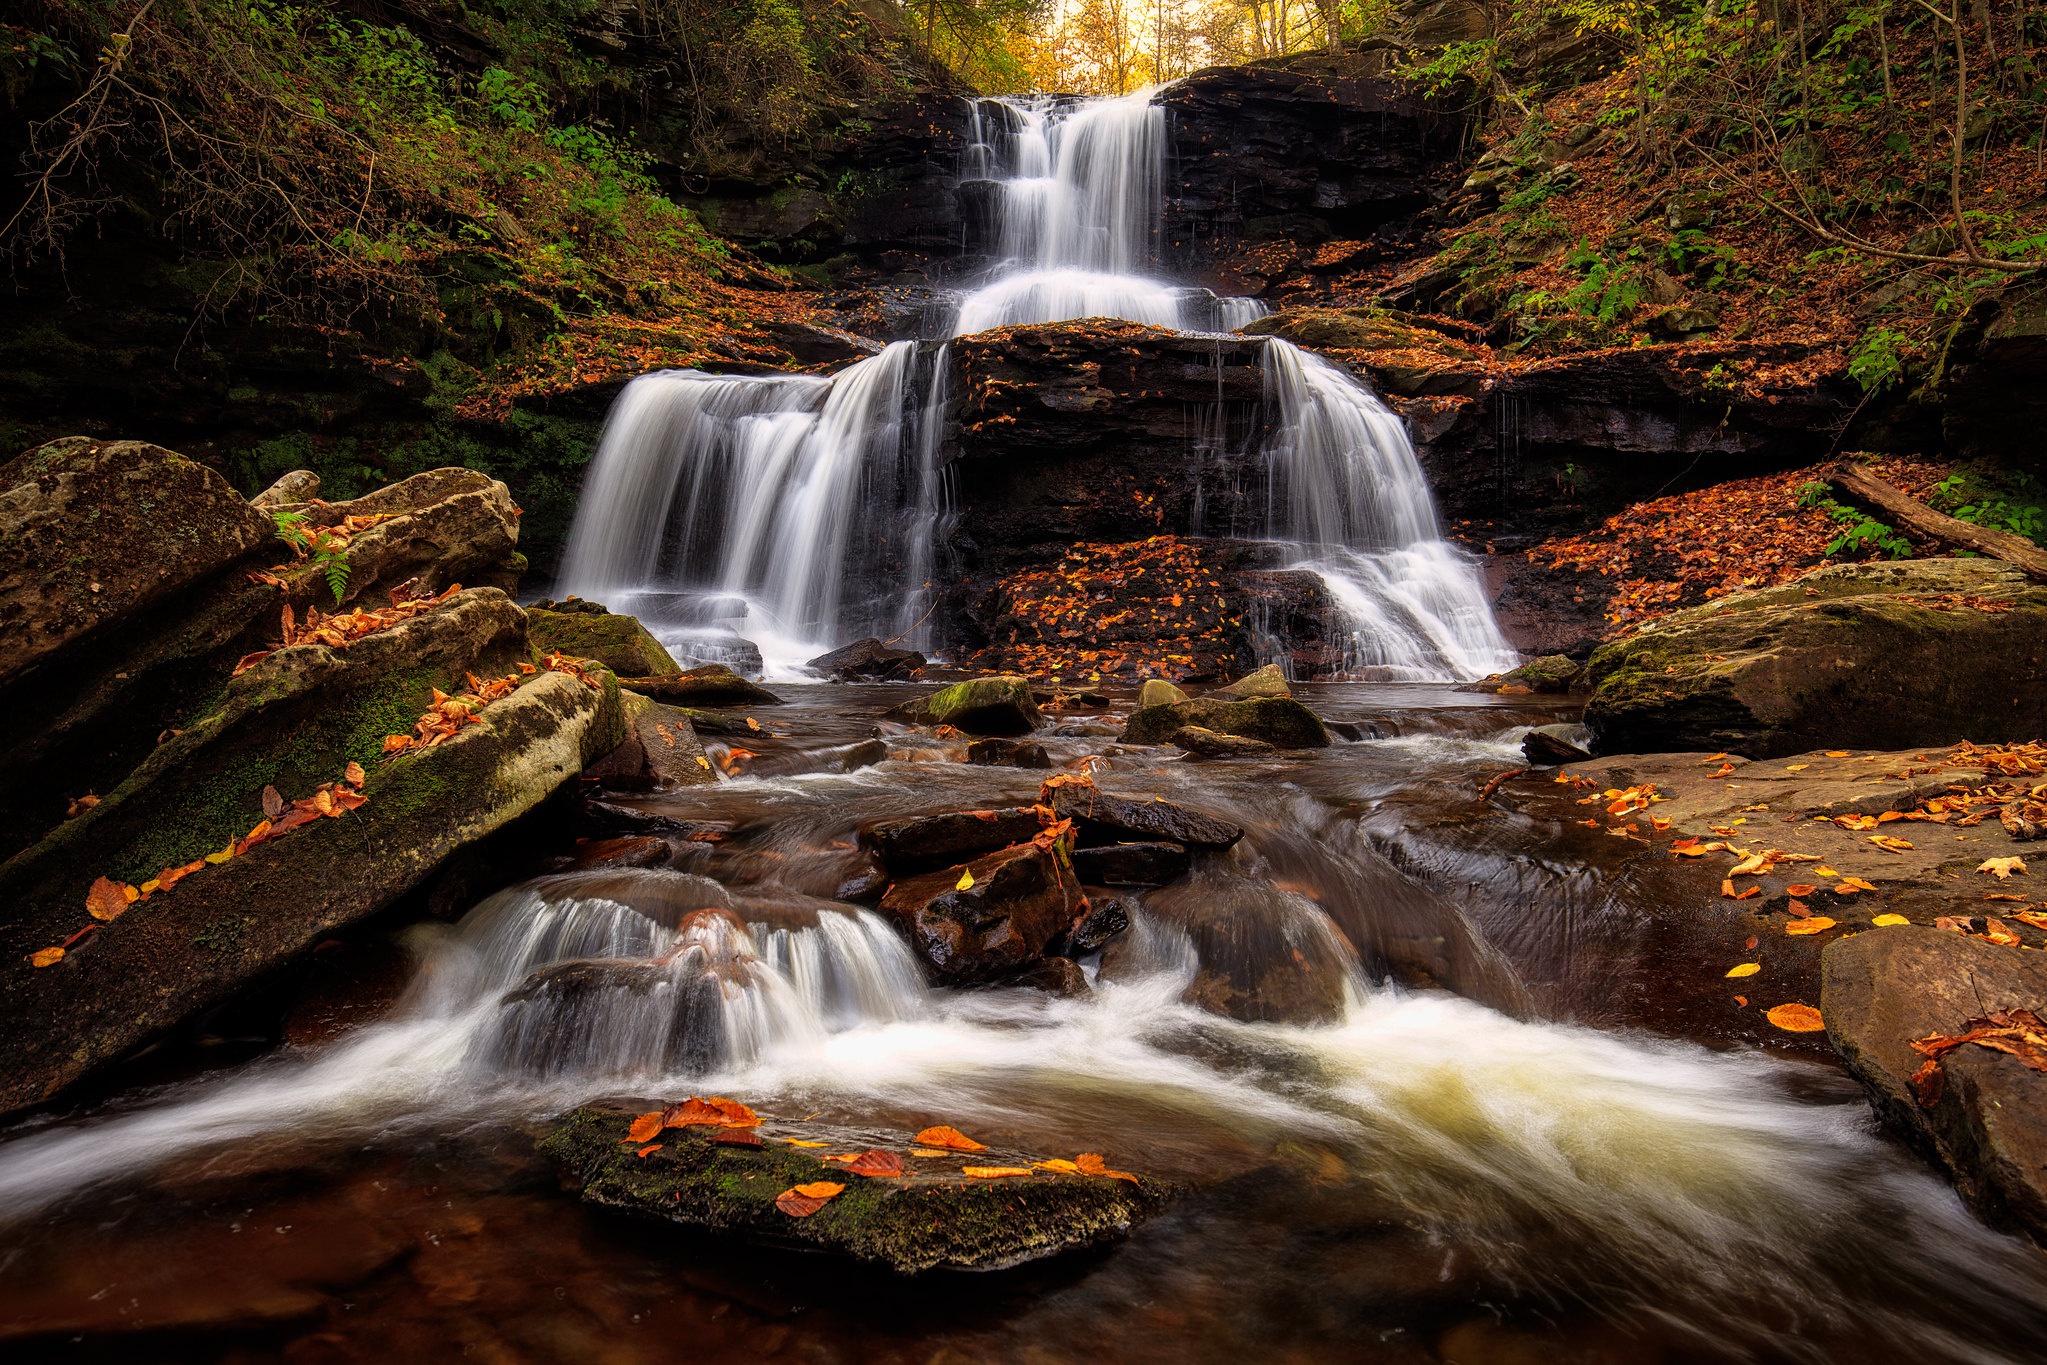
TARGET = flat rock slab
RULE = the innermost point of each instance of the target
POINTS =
(709, 685)
(617, 641)
(1103, 818)
(931, 1218)
(922, 843)
(1279, 721)
(1883, 990)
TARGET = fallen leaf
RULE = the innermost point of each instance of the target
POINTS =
(645, 1126)
(650, 1148)
(273, 803)
(1998, 932)
(873, 1163)
(1745, 969)
(1802, 889)
(1059, 1164)
(952, 1138)
(1850, 885)
(1090, 1163)
(803, 1200)
(1837, 753)
(46, 957)
(803, 1142)
(735, 1137)
(1796, 1018)
(2002, 868)
(1798, 767)
(1741, 1000)
(1818, 924)
(1887, 921)
(715, 1113)
(966, 880)
(1824, 871)
(928, 1151)
(1885, 841)
(106, 900)
(1796, 908)
(353, 774)
(993, 1172)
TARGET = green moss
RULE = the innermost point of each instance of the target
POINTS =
(618, 642)
(1278, 721)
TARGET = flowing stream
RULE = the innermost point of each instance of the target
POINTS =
(799, 514)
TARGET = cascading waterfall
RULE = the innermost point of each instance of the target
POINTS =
(800, 513)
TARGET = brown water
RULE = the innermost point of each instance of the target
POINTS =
(1517, 1162)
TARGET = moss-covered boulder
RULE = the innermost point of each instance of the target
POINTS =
(706, 685)
(933, 1217)
(1279, 721)
(1159, 692)
(290, 724)
(431, 531)
(617, 641)
(1259, 682)
(1000, 705)
(1891, 655)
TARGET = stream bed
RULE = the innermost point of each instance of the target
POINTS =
(1503, 1160)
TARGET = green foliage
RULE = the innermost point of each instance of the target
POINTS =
(1862, 537)
(2011, 501)
(1879, 360)
(328, 549)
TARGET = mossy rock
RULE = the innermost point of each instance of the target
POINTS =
(1279, 721)
(999, 705)
(705, 685)
(1550, 673)
(293, 721)
(1894, 655)
(1159, 692)
(618, 642)
(931, 1218)
(1259, 682)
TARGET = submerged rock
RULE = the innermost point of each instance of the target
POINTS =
(1056, 976)
(867, 660)
(1008, 753)
(923, 842)
(1205, 743)
(1263, 682)
(1883, 655)
(618, 642)
(1106, 819)
(1130, 864)
(988, 919)
(1000, 705)
(930, 1218)
(704, 685)
(1883, 990)
(1278, 721)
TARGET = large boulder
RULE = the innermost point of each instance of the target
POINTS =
(617, 641)
(867, 660)
(930, 1217)
(990, 918)
(705, 685)
(1885, 655)
(1000, 705)
(1103, 818)
(1882, 991)
(1279, 721)
(920, 843)
(286, 729)
(661, 749)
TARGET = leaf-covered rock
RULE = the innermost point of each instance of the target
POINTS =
(617, 641)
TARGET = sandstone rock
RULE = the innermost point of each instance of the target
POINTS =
(1130, 864)
(1883, 989)
(300, 485)
(618, 642)
(1205, 743)
(95, 532)
(661, 748)
(1159, 692)
(867, 660)
(931, 1218)
(1546, 746)
(292, 721)
(1263, 682)
(1008, 753)
(1881, 655)
(705, 685)
(980, 706)
(445, 526)
(1019, 901)
(1103, 818)
(1278, 721)
(924, 842)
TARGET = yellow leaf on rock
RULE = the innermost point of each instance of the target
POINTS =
(1059, 1164)
(943, 1136)
(106, 900)
(2002, 867)
(966, 880)
(1837, 753)
(1745, 969)
(1798, 767)
(1817, 924)
(1887, 921)
(1824, 871)
(1796, 1018)
(802, 1142)
(928, 1151)
(993, 1172)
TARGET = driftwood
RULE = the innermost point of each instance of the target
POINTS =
(1486, 792)
(1915, 515)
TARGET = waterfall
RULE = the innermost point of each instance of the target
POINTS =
(800, 513)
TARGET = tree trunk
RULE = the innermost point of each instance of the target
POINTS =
(1915, 515)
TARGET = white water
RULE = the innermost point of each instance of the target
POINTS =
(801, 513)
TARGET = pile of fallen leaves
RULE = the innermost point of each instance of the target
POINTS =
(343, 628)
(445, 715)
(2016, 1033)
(1113, 609)
(1692, 547)
(733, 1124)
(108, 900)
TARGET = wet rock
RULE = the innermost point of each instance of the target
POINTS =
(1008, 753)
(1884, 989)
(1159, 692)
(930, 1218)
(1086, 729)
(1399, 358)
(1205, 743)
(570, 606)
(661, 748)
(868, 660)
(865, 754)
(924, 842)
(1106, 917)
(704, 685)
(292, 721)
(1885, 655)
(864, 887)
(1263, 682)
(1548, 745)
(347, 985)
(630, 850)
(980, 706)
(618, 642)
(94, 532)
(1018, 901)
(1550, 673)
(1103, 818)
(1060, 977)
(1130, 864)
(1278, 721)
(1265, 955)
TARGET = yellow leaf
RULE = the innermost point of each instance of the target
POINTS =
(995, 1172)
(966, 880)
(802, 1142)
(1885, 841)
(1837, 753)
(1824, 871)
(1887, 921)
(2002, 867)
(927, 1151)
(1798, 767)
(1059, 1164)
(46, 957)
(106, 900)
(1796, 1018)
(1745, 969)
(1815, 924)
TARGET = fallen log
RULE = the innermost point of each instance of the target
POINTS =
(1914, 515)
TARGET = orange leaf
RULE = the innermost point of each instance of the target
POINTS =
(1818, 924)
(106, 900)
(1090, 1163)
(951, 1138)
(649, 1148)
(1059, 1164)
(46, 957)
(1796, 1018)
(353, 774)
(645, 1126)
(993, 1172)
(716, 1113)
(1802, 889)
